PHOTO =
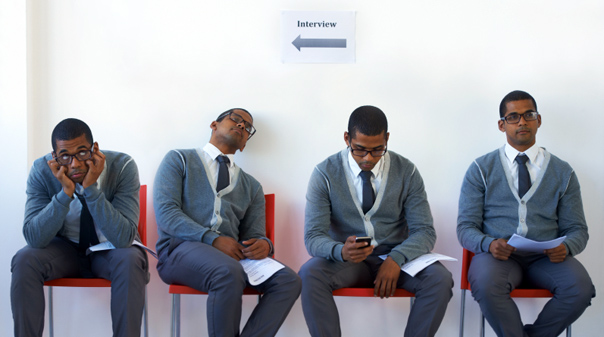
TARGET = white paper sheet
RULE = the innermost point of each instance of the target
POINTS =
(420, 263)
(108, 245)
(259, 271)
(528, 245)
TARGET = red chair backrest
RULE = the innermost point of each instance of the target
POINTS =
(142, 219)
(270, 216)
(465, 266)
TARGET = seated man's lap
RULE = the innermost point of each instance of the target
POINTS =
(114, 262)
(58, 259)
(199, 266)
(432, 277)
(336, 274)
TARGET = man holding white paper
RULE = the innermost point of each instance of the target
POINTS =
(78, 196)
(365, 190)
(523, 189)
(210, 215)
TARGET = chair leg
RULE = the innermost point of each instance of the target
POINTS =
(175, 328)
(568, 331)
(481, 324)
(145, 317)
(51, 330)
(411, 302)
(462, 312)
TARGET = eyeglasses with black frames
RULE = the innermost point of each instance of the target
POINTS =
(235, 117)
(363, 153)
(66, 159)
(515, 118)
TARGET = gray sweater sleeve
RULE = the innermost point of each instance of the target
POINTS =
(44, 211)
(422, 235)
(571, 218)
(167, 200)
(118, 219)
(318, 219)
(470, 212)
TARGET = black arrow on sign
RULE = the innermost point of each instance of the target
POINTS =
(318, 43)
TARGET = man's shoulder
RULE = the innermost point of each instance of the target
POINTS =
(556, 162)
(489, 159)
(332, 162)
(398, 159)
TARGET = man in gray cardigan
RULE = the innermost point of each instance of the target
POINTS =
(78, 196)
(365, 190)
(210, 215)
(523, 189)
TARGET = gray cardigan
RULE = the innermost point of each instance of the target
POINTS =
(114, 207)
(400, 216)
(187, 206)
(489, 207)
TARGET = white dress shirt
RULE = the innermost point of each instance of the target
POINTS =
(535, 155)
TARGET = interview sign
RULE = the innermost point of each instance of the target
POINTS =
(318, 36)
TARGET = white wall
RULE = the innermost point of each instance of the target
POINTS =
(150, 76)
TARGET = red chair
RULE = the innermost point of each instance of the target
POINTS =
(100, 282)
(368, 292)
(176, 289)
(519, 293)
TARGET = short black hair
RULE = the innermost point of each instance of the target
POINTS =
(69, 129)
(224, 114)
(368, 120)
(516, 95)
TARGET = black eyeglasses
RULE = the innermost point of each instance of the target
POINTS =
(363, 153)
(235, 117)
(515, 118)
(66, 159)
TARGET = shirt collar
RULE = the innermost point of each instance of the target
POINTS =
(531, 153)
(214, 152)
(356, 170)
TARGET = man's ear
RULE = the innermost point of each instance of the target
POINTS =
(214, 125)
(500, 125)
(346, 138)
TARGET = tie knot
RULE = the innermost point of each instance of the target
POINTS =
(223, 159)
(366, 175)
(521, 159)
(81, 197)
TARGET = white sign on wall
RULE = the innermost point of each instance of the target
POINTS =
(318, 37)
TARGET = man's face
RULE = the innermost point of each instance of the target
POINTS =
(367, 143)
(232, 134)
(522, 135)
(76, 171)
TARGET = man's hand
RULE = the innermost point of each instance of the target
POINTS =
(355, 252)
(387, 277)
(229, 246)
(500, 249)
(96, 164)
(257, 249)
(60, 172)
(556, 255)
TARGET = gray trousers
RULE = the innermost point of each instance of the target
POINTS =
(126, 268)
(432, 289)
(492, 281)
(205, 268)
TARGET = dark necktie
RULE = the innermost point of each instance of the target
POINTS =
(524, 179)
(223, 172)
(368, 193)
(87, 232)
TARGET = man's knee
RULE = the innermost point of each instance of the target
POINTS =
(25, 263)
(438, 279)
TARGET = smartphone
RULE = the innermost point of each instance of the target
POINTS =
(364, 239)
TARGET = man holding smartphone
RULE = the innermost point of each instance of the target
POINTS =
(367, 191)
(78, 196)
